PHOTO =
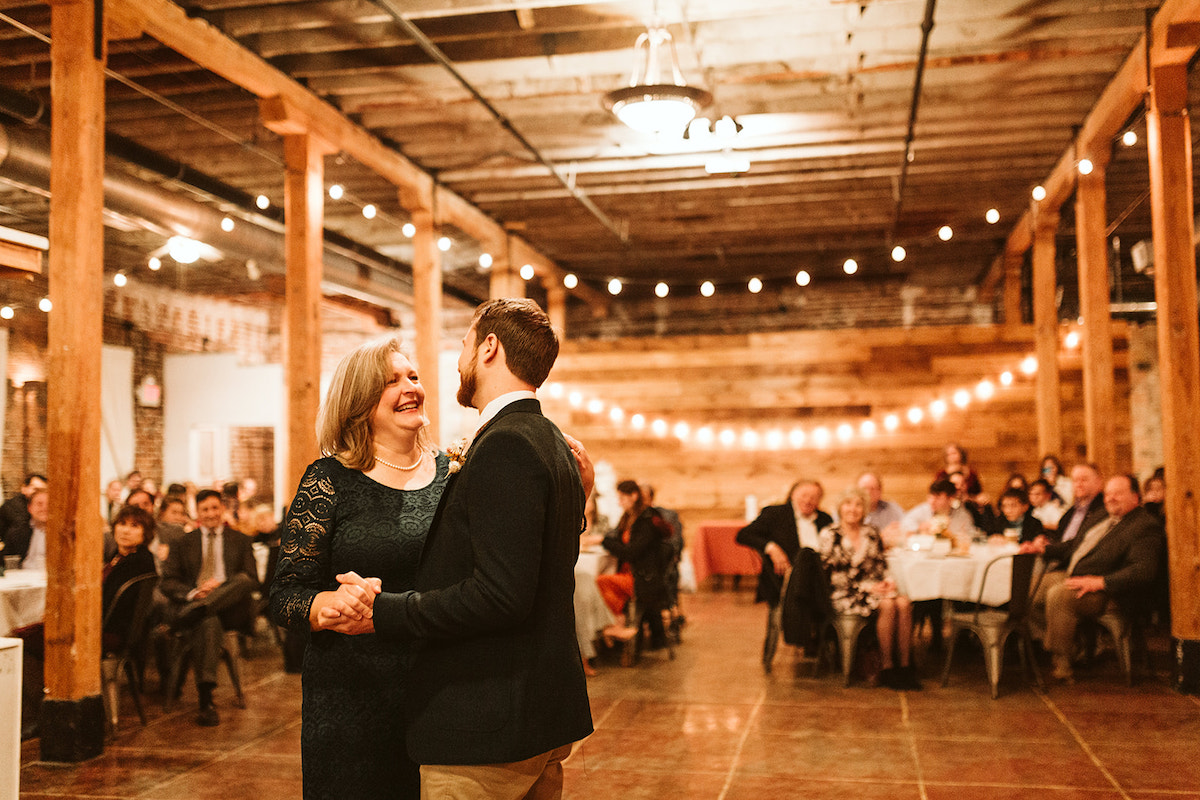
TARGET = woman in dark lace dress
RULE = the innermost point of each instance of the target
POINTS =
(364, 508)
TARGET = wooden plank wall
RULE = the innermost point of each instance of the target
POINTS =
(807, 379)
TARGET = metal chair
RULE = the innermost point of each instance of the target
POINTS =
(847, 628)
(131, 654)
(993, 626)
(181, 659)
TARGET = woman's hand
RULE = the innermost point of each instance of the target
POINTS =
(348, 609)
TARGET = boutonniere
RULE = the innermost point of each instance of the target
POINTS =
(457, 450)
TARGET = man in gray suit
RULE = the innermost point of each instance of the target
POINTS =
(1113, 562)
(208, 576)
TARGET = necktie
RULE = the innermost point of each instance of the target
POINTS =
(1075, 523)
(208, 567)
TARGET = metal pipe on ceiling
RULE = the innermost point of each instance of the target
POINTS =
(907, 156)
(434, 52)
(25, 159)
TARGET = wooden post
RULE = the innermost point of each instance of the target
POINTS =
(303, 243)
(1098, 391)
(1169, 142)
(73, 713)
(427, 308)
(1013, 261)
(1045, 321)
(556, 307)
(505, 281)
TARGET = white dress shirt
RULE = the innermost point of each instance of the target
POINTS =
(35, 557)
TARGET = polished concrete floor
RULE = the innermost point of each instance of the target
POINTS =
(711, 724)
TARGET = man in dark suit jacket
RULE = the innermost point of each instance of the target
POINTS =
(497, 689)
(1088, 507)
(15, 530)
(1115, 561)
(208, 576)
(780, 531)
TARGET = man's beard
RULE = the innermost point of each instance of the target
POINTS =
(466, 383)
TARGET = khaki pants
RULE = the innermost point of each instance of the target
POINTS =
(537, 778)
(1057, 611)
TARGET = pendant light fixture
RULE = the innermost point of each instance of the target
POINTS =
(657, 100)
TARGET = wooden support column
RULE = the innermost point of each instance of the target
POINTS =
(1045, 321)
(506, 280)
(427, 307)
(1171, 192)
(556, 307)
(303, 242)
(1091, 220)
(73, 713)
(1013, 261)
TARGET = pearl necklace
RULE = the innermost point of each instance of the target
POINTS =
(409, 468)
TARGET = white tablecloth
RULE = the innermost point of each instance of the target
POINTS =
(22, 598)
(922, 576)
(591, 614)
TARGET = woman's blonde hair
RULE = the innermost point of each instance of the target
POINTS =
(858, 494)
(345, 423)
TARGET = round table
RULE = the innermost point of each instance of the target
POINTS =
(591, 613)
(921, 575)
(22, 599)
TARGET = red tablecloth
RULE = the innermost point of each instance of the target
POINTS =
(716, 552)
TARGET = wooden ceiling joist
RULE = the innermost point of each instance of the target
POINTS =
(287, 100)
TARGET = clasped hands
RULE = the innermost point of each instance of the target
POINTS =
(350, 609)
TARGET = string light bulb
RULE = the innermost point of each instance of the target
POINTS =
(985, 389)
(992, 216)
(485, 260)
(891, 422)
(899, 254)
(705, 436)
(915, 415)
(845, 432)
(444, 244)
(803, 278)
(1029, 365)
(1072, 340)
(755, 285)
(527, 272)
(263, 202)
(1006, 378)
(155, 263)
(614, 286)
(595, 405)
(227, 224)
(616, 414)
(821, 437)
(962, 398)
(681, 431)
(661, 289)
(945, 233)
(659, 427)
(797, 437)
(369, 211)
(45, 305)
(937, 409)
(1129, 138)
(867, 429)
(119, 279)
(637, 421)
(850, 266)
(707, 289)
(1039, 193)
(6, 312)
(570, 280)
(335, 191)
(774, 439)
(1085, 166)
(409, 230)
(750, 439)
(727, 437)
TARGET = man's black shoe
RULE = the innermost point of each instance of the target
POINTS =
(208, 716)
(189, 616)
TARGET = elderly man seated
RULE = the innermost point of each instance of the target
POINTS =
(1113, 562)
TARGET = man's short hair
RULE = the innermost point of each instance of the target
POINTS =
(1016, 493)
(204, 494)
(1134, 486)
(523, 329)
(29, 478)
(943, 486)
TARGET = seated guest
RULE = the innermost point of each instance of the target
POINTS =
(208, 577)
(14, 516)
(1060, 483)
(111, 503)
(854, 559)
(1017, 481)
(1016, 523)
(779, 532)
(640, 543)
(1045, 504)
(1154, 493)
(955, 463)
(1087, 486)
(983, 516)
(131, 527)
(882, 515)
(938, 514)
(29, 542)
(1115, 562)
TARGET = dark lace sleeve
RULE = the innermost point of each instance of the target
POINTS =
(304, 553)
